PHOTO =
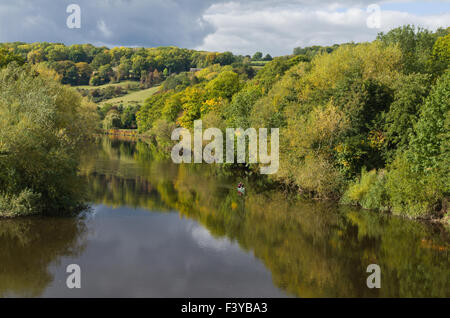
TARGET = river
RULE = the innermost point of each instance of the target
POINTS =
(156, 229)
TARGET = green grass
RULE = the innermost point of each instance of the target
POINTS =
(133, 98)
(259, 63)
(123, 84)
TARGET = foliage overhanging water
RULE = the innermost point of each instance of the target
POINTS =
(161, 230)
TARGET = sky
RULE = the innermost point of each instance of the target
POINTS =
(240, 26)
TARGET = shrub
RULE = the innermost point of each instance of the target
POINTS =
(162, 132)
(112, 120)
(413, 193)
(23, 204)
(44, 128)
(369, 191)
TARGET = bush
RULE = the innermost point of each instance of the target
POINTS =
(162, 132)
(44, 128)
(112, 120)
(95, 81)
(430, 146)
(411, 193)
(369, 191)
(23, 204)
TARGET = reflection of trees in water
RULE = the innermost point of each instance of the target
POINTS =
(312, 249)
(29, 246)
(118, 191)
(115, 178)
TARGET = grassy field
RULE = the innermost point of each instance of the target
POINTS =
(123, 84)
(259, 63)
(133, 98)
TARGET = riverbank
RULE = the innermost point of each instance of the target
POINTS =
(441, 217)
(120, 132)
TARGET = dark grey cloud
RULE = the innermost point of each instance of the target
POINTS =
(114, 22)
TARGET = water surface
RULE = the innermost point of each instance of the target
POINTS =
(161, 230)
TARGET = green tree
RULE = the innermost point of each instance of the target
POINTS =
(257, 56)
(100, 59)
(409, 93)
(105, 72)
(124, 68)
(268, 57)
(430, 143)
(239, 110)
(41, 139)
(7, 56)
(57, 53)
(128, 117)
(416, 46)
(76, 54)
(112, 120)
(441, 54)
(225, 58)
(84, 73)
(225, 85)
(35, 56)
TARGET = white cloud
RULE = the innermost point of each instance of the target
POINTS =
(244, 29)
(240, 26)
(205, 240)
(101, 25)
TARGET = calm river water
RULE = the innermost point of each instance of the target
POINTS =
(156, 229)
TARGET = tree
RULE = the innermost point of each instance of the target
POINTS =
(95, 80)
(77, 54)
(430, 143)
(416, 46)
(139, 66)
(257, 56)
(101, 59)
(128, 117)
(124, 68)
(441, 55)
(268, 57)
(105, 72)
(225, 58)
(41, 141)
(112, 120)
(239, 110)
(225, 85)
(419, 179)
(273, 71)
(172, 107)
(57, 53)
(70, 76)
(35, 56)
(67, 70)
(192, 100)
(84, 73)
(7, 56)
(409, 94)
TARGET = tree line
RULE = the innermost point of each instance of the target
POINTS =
(363, 123)
(85, 64)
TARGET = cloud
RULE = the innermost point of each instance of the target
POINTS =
(277, 29)
(240, 26)
(104, 29)
(114, 22)
(205, 240)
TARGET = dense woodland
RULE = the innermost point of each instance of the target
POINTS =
(366, 124)
(86, 64)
